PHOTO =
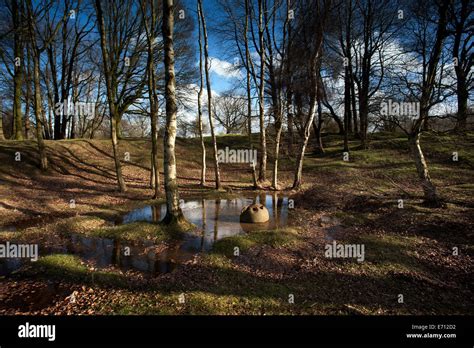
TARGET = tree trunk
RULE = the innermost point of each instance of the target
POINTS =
(278, 127)
(153, 98)
(429, 190)
(307, 132)
(201, 88)
(463, 95)
(173, 212)
(291, 137)
(2, 137)
(18, 76)
(209, 96)
(353, 102)
(363, 118)
(111, 98)
(261, 96)
(115, 145)
(318, 129)
(39, 112)
(249, 89)
(347, 107)
(430, 194)
(28, 99)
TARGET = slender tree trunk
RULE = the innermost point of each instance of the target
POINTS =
(430, 195)
(75, 98)
(278, 128)
(318, 126)
(307, 131)
(153, 98)
(38, 112)
(262, 176)
(353, 101)
(363, 116)
(28, 96)
(2, 136)
(18, 76)
(201, 89)
(463, 96)
(289, 103)
(115, 145)
(249, 90)
(38, 106)
(276, 101)
(111, 98)
(347, 107)
(173, 213)
(429, 188)
(154, 146)
(209, 95)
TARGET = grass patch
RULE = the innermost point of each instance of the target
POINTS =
(70, 267)
(139, 230)
(275, 238)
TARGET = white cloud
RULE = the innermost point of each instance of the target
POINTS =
(224, 69)
(188, 106)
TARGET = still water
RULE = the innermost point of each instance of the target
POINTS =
(214, 218)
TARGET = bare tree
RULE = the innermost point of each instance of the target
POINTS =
(34, 16)
(201, 89)
(461, 27)
(377, 22)
(309, 33)
(248, 85)
(228, 111)
(261, 94)
(152, 95)
(429, 189)
(420, 79)
(209, 95)
(124, 76)
(18, 28)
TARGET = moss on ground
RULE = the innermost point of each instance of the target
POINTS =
(72, 268)
(274, 238)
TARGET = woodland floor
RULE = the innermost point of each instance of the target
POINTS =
(409, 250)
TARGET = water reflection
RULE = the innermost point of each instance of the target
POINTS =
(216, 219)
(144, 256)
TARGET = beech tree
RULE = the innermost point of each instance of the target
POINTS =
(124, 74)
(307, 42)
(461, 30)
(428, 83)
(173, 212)
(38, 45)
(152, 94)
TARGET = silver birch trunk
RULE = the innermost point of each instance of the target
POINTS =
(173, 212)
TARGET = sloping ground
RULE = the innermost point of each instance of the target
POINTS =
(409, 249)
(83, 171)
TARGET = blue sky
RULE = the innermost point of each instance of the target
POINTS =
(221, 78)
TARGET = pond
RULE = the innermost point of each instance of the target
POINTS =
(215, 219)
